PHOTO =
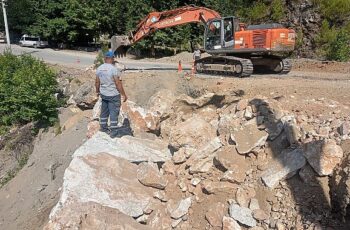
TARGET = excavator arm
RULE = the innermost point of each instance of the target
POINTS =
(160, 20)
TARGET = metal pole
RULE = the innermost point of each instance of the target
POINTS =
(6, 25)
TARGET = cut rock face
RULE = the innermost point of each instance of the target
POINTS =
(130, 148)
(85, 180)
(242, 215)
(149, 176)
(287, 162)
(323, 156)
(248, 138)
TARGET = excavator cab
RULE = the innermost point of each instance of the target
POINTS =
(220, 33)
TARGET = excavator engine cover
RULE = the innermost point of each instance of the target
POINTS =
(120, 44)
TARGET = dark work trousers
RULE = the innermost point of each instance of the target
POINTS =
(110, 109)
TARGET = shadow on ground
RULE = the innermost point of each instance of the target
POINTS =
(312, 198)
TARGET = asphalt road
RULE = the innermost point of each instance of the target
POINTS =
(81, 59)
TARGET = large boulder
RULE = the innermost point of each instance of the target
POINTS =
(160, 103)
(215, 215)
(86, 97)
(150, 176)
(202, 160)
(148, 119)
(194, 132)
(92, 216)
(249, 138)
(128, 147)
(104, 179)
(242, 215)
(287, 162)
(323, 156)
(140, 119)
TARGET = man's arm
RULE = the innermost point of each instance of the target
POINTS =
(120, 88)
(97, 84)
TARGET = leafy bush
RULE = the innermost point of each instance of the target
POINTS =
(333, 43)
(257, 12)
(339, 49)
(335, 10)
(277, 10)
(27, 88)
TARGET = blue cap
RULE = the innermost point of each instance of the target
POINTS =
(109, 54)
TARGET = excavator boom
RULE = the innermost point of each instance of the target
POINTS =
(161, 20)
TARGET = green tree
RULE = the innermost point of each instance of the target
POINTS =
(277, 10)
(339, 49)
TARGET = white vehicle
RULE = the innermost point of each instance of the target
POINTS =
(2, 37)
(32, 41)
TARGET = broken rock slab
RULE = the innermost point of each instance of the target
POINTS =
(213, 187)
(242, 215)
(85, 97)
(249, 138)
(323, 156)
(160, 103)
(201, 161)
(229, 223)
(344, 128)
(104, 179)
(130, 148)
(91, 216)
(149, 176)
(215, 214)
(180, 208)
(287, 162)
(140, 119)
(194, 132)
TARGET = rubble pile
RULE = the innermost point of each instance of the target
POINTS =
(212, 162)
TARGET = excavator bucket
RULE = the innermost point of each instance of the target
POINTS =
(120, 44)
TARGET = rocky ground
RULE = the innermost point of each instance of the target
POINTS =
(266, 152)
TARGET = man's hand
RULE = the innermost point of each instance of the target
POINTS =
(125, 98)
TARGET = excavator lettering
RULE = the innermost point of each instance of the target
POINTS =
(235, 49)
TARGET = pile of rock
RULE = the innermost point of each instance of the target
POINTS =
(227, 168)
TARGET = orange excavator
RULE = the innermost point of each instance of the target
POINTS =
(235, 48)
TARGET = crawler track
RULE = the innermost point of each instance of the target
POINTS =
(225, 65)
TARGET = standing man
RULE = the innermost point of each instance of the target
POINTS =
(109, 86)
(196, 54)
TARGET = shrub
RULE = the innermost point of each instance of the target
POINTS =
(258, 11)
(333, 43)
(27, 88)
(339, 49)
(335, 10)
(277, 10)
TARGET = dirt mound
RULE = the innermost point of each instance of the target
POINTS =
(309, 65)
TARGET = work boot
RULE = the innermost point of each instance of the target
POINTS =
(104, 130)
(114, 133)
